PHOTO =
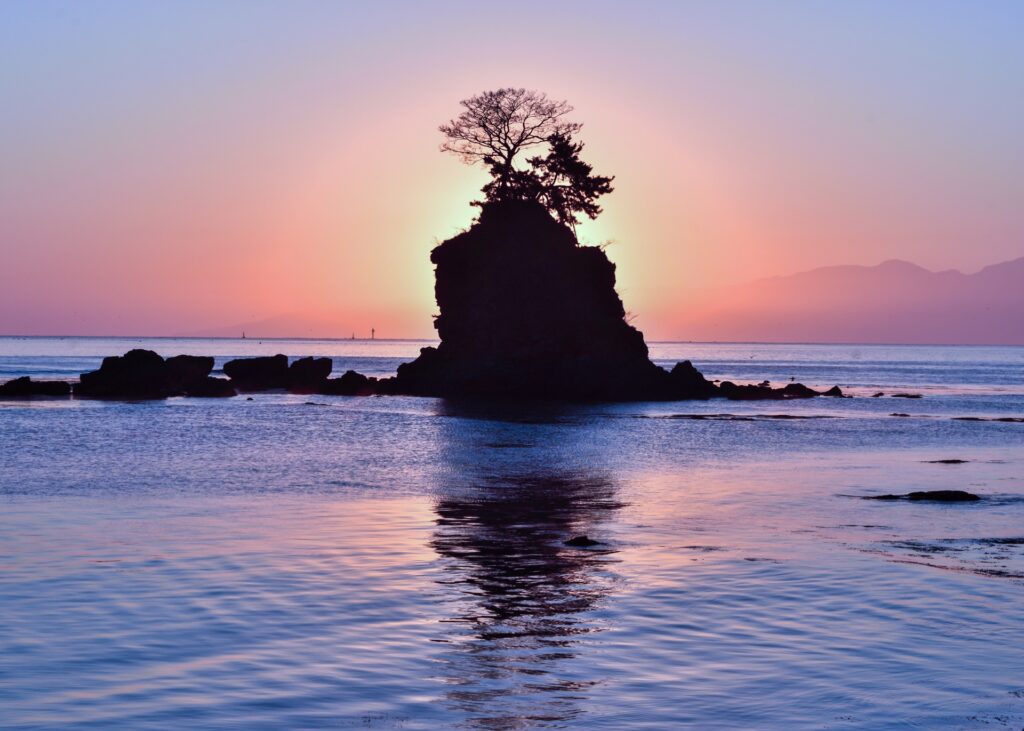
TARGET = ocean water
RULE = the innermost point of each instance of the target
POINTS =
(308, 562)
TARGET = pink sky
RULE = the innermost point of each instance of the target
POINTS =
(176, 168)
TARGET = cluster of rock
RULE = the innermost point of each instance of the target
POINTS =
(526, 312)
(143, 374)
(25, 386)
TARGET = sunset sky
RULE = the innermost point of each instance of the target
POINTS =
(169, 168)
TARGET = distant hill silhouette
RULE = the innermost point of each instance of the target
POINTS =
(894, 302)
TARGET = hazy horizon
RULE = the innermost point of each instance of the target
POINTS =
(769, 310)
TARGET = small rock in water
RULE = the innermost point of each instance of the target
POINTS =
(877, 395)
(898, 414)
(946, 461)
(582, 542)
(945, 496)
(262, 373)
(906, 395)
(939, 496)
(25, 386)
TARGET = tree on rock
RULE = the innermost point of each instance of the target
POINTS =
(496, 126)
(567, 184)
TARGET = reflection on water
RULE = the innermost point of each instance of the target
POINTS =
(521, 601)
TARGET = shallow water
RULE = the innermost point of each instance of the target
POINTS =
(388, 562)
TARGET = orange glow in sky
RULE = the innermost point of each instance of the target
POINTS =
(184, 168)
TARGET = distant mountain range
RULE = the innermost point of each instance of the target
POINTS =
(894, 302)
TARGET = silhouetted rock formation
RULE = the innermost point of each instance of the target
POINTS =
(187, 371)
(143, 374)
(526, 312)
(258, 374)
(689, 382)
(350, 384)
(308, 375)
(764, 392)
(24, 387)
(138, 374)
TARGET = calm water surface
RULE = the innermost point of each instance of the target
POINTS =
(398, 563)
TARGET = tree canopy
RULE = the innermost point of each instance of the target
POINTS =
(496, 126)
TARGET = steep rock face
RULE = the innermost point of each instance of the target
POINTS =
(527, 312)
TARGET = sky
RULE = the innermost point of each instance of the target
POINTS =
(172, 168)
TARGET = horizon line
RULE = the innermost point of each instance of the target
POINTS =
(437, 340)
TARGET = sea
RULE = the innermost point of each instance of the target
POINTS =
(277, 561)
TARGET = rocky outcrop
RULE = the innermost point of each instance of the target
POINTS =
(187, 372)
(526, 312)
(138, 374)
(686, 382)
(143, 374)
(308, 375)
(350, 384)
(25, 387)
(258, 374)
(764, 392)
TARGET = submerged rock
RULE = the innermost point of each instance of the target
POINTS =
(582, 542)
(945, 496)
(25, 387)
(939, 496)
(764, 392)
(258, 374)
(906, 395)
